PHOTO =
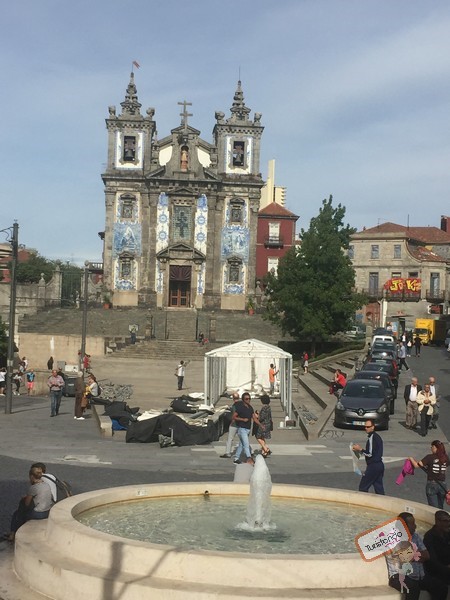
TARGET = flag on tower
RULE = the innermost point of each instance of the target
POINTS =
(136, 64)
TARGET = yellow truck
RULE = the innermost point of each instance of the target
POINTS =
(430, 331)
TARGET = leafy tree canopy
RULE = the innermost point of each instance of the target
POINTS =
(312, 296)
(30, 270)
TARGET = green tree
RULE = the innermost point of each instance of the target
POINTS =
(312, 296)
(29, 271)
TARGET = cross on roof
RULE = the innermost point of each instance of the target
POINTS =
(184, 115)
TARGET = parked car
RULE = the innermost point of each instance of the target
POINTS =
(385, 347)
(354, 332)
(362, 399)
(379, 353)
(384, 366)
(388, 385)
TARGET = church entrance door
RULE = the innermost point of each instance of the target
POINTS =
(180, 286)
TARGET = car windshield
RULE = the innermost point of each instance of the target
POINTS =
(377, 366)
(384, 346)
(363, 389)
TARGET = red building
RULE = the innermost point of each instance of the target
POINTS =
(275, 236)
(5, 258)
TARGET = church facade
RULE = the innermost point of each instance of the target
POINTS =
(181, 213)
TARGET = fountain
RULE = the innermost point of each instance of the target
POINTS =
(258, 506)
(63, 558)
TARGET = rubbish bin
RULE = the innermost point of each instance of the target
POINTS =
(69, 385)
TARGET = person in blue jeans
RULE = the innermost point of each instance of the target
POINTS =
(55, 385)
(243, 418)
(435, 465)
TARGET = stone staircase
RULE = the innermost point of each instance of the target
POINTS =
(166, 349)
(171, 324)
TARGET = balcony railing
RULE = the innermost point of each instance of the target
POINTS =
(373, 293)
(274, 241)
(435, 295)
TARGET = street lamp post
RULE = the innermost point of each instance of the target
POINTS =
(85, 311)
(12, 318)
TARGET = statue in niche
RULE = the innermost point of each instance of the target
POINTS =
(184, 158)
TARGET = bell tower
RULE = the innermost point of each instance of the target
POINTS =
(130, 150)
(238, 139)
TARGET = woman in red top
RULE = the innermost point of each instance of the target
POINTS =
(339, 381)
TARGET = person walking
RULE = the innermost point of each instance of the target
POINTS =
(425, 403)
(410, 396)
(408, 348)
(402, 357)
(17, 379)
(80, 391)
(244, 416)
(55, 385)
(417, 345)
(373, 454)
(434, 389)
(180, 372)
(305, 360)
(30, 376)
(435, 466)
(232, 429)
(50, 363)
(263, 431)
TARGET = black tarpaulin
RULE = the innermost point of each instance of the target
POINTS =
(184, 434)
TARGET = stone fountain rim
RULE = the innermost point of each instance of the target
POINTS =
(82, 502)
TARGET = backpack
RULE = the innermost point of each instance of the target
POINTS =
(63, 489)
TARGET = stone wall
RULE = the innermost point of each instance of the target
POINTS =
(31, 297)
(39, 347)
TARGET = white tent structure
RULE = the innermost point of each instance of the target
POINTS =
(245, 366)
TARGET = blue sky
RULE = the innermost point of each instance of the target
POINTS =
(354, 96)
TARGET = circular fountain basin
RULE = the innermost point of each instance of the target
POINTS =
(64, 558)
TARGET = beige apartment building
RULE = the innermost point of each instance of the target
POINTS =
(403, 270)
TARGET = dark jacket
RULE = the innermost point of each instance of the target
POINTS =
(408, 391)
(374, 449)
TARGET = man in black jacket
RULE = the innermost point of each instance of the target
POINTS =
(373, 454)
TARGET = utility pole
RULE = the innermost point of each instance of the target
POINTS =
(12, 319)
(85, 312)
